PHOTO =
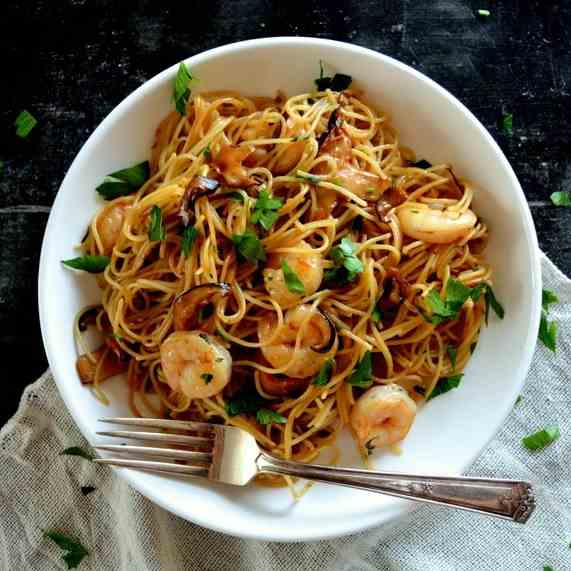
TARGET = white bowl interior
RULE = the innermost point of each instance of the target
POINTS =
(451, 430)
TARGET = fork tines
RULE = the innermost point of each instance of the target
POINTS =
(192, 455)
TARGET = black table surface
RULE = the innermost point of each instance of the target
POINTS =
(71, 62)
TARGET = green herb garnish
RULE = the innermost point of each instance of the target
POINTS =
(324, 374)
(507, 124)
(541, 438)
(344, 256)
(244, 404)
(238, 196)
(1, 168)
(338, 82)
(156, 226)
(125, 181)
(181, 88)
(452, 353)
(376, 314)
(188, 237)
(362, 375)
(483, 13)
(561, 198)
(91, 264)
(518, 400)
(207, 377)
(24, 124)
(249, 246)
(444, 385)
(74, 551)
(292, 281)
(265, 210)
(548, 329)
(207, 152)
(267, 416)
(77, 451)
(86, 490)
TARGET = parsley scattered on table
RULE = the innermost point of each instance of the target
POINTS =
(86, 490)
(74, 551)
(24, 124)
(77, 451)
(483, 13)
(541, 438)
(507, 124)
(548, 329)
(561, 198)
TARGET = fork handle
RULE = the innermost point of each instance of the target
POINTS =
(508, 499)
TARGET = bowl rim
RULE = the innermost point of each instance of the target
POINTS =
(279, 533)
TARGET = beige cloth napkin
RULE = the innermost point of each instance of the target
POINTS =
(124, 531)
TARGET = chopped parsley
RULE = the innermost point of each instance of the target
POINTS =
(189, 235)
(362, 375)
(181, 88)
(86, 490)
(338, 82)
(267, 416)
(266, 210)
(507, 124)
(561, 198)
(24, 124)
(548, 329)
(125, 181)
(156, 226)
(344, 257)
(541, 438)
(249, 246)
(207, 378)
(91, 264)
(444, 385)
(237, 196)
(376, 314)
(77, 451)
(1, 168)
(483, 13)
(292, 281)
(246, 403)
(518, 400)
(74, 551)
(207, 152)
(452, 353)
(324, 374)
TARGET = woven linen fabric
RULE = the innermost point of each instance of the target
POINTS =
(124, 531)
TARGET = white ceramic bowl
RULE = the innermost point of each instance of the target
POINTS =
(448, 433)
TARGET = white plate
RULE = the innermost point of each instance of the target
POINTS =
(448, 433)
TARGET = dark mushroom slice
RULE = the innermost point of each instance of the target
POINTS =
(281, 385)
(187, 305)
(327, 346)
(199, 186)
(113, 364)
(391, 199)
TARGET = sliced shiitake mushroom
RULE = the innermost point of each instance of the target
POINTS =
(282, 386)
(187, 305)
(199, 186)
(113, 364)
(327, 346)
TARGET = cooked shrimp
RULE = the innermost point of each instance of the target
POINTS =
(383, 415)
(195, 363)
(229, 163)
(434, 226)
(110, 222)
(288, 158)
(308, 268)
(307, 360)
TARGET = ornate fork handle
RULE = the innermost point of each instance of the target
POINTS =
(509, 499)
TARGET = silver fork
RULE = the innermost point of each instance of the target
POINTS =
(232, 456)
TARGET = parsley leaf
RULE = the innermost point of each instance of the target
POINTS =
(265, 210)
(483, 13)
(188, 237)
(507, 124)
(207, 377)
(249, 246)
(181, 88)
(85, 490)
(338, 82)
(235, 196)
(547, 298)
(75, 552)
(444, 385)
(561, 198)
(452, 353)
(91, 264)
(344, 256)
(156, 226)
(376, 314)
(293, 283)
(1, 168)
(24, 124)
(362, 375)
(246, 403)
(324, 374)
(267, 416)
(541, 438)
(548, 568)
(125, 181)
(492, 302)
(77, 451)
(548, 332)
